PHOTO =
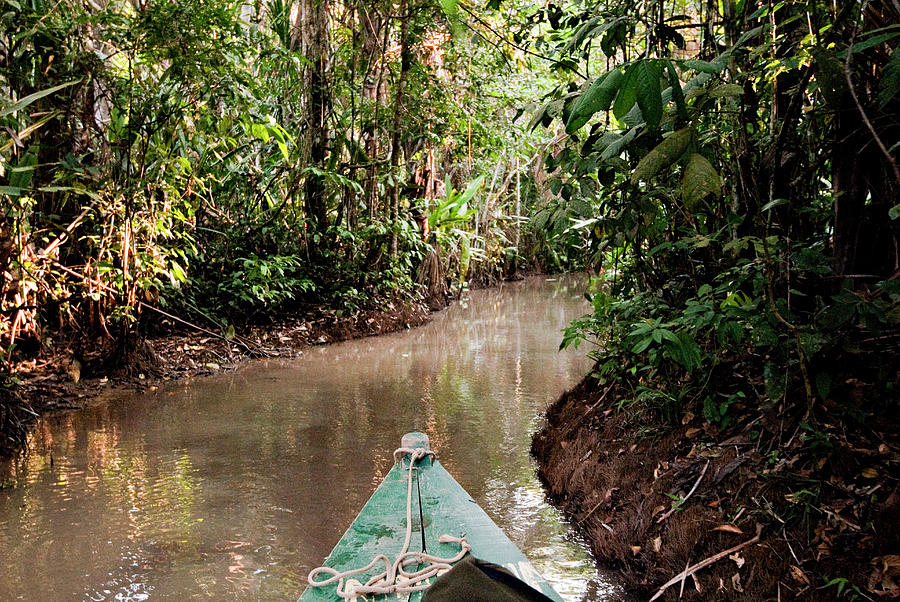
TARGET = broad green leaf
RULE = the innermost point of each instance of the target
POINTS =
(615, 148)
(774, 203)
(597, 98)
(33, 97)
(471, 190)
(665, 154)
(648, 92)
(627, 95)
(260, 132)
(829, 75)
(724, 90)
(700, 179)
(548, 110)
(451, 10)
(22, 178)
(890, 80)
(677, 94)
(871, 42)
(703, 66)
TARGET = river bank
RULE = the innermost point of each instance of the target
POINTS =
(74, 374)
(760, 511)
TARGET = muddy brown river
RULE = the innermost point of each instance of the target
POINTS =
(235, 486)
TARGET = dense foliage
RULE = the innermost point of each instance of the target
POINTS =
(728, 169)
(221, 162)
(734, 169)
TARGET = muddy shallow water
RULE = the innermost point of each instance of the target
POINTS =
(235, 486)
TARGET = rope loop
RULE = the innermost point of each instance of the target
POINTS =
(395, 578)
(415, 454)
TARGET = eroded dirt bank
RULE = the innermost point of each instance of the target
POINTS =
(757, 512)
(74, 374)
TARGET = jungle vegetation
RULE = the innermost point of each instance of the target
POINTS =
(727, 169)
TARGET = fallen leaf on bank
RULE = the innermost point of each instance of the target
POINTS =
(688, 416)
(738, 559)
(736, 583)
(887, 571)
(798, 574)
(692, 432)
(715, 503)
(635, 550)
(658, 509)
(657, 544)
(211, 366)
(728, 528)
(697, 583)
(870, 473)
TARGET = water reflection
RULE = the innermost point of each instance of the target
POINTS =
(236, 486)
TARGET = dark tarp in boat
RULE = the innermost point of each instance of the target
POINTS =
(476, 580)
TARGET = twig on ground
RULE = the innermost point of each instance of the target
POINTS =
(703, 564)
(690, 493)
(590, 512)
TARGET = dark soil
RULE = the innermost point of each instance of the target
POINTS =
(73, 374)
(826, 510)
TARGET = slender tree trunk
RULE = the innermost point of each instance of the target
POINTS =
(405, 63)
(311, 38)
(373, 25)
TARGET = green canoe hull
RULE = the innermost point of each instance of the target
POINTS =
(446, 508)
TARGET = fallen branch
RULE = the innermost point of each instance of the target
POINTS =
(590, 512)
(690, 493)
(703, 564)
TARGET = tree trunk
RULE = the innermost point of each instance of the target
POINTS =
(311, 38)
(405, 63)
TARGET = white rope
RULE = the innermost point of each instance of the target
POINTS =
(394, 578)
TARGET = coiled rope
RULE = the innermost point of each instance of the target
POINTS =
(394, 578)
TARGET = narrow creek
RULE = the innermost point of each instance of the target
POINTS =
(235, 486)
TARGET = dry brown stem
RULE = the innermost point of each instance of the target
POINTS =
(702, 564)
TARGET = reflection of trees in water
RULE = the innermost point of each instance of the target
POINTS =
(238, 485)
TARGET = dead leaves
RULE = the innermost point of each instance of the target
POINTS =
(885, 575)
